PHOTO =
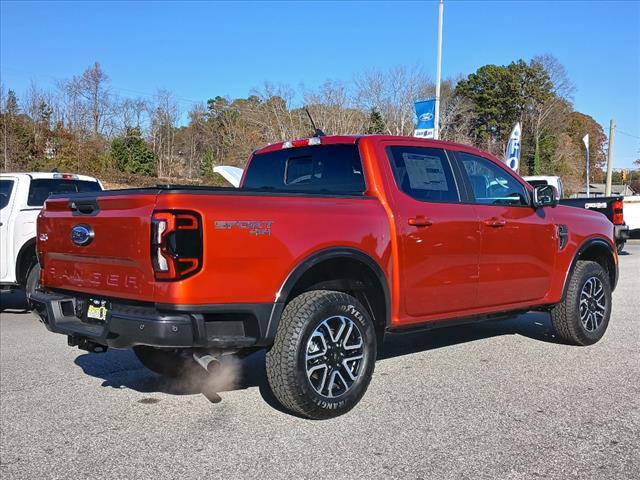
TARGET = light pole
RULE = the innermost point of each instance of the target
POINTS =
(436, 123)
(585, 140)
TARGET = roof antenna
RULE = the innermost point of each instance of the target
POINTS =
(316, 131)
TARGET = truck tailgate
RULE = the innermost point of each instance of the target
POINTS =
(115, 261)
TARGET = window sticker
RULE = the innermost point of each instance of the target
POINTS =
(425, 172)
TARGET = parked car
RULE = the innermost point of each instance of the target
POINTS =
(22, 196)
(611, 207)
(328, 243)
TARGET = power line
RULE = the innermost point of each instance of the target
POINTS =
(628, 134)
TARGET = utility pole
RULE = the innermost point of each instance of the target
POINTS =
(436, 123)
(612, 135)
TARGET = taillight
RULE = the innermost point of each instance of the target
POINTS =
(176, 244)
(618, 215)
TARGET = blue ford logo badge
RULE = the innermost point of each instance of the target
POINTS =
(82, 235)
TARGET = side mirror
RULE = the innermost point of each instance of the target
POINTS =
(545, 196)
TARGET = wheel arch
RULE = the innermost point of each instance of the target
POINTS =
(343, 269)
(25, 260)
(597, 250)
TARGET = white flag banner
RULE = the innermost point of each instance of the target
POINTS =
(512, 155)
(585, 140)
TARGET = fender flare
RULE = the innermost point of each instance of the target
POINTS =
(590, 242)
(314, 259)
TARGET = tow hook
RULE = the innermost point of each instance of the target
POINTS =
(85, 344)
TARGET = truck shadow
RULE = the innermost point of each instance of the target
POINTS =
(121, 369)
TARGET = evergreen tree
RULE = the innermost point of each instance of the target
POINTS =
(131, 154)
(376, 123)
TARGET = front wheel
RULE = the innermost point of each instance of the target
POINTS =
(324, 354)
(583, 316)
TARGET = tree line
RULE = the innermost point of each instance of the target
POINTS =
(83, 125)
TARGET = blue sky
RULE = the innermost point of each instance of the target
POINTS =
(199, 50)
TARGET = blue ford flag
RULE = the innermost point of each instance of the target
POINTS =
(425, 112)
(512, 155)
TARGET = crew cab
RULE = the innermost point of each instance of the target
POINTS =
(22, 196)
(328, 243)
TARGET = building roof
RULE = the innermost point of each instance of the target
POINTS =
(599, 189)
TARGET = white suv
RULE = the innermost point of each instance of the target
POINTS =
(22, 196)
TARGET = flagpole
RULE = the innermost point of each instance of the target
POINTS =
(436, 125)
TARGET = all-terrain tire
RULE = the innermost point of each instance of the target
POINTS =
(310, 314)
(566, 316)
(168, 363)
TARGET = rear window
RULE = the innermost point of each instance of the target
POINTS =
(317, 169)
(537, 183)
(40, 189)
(6, 186)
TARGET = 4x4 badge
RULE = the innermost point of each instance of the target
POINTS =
(255, 227)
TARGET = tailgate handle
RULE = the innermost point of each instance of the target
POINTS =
(84, 207)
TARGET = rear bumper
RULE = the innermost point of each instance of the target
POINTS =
(169, 326)
(621, 233)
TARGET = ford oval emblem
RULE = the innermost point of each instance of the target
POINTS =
(82, 234)
(425, 117)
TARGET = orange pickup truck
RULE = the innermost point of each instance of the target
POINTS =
(328, 243)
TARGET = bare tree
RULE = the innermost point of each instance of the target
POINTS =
(333, 109)
(393, 93)
(550, 113)
(131, 113)
(164, 114)
(5, 128)
(274, 114)
(92, 98)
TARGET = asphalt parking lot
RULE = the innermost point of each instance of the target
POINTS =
(496, 400)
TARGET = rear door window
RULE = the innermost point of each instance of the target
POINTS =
(323, 169)
(41, 188)
(423, 173)
(6, 187)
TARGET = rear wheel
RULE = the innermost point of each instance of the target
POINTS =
(324, 354)
(169, 363)
(33, 280)
(583, 316)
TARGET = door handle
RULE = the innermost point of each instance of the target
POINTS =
(495, 222)
(420, 222)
